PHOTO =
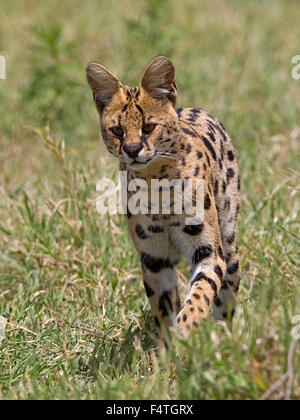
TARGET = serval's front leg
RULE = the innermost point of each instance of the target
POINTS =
(204, 249)
(160, 281)
(158, 259)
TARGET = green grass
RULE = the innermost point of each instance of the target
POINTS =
(78, 322)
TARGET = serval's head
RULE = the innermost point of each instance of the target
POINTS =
(139, 124)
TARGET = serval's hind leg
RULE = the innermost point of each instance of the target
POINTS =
(225, 302)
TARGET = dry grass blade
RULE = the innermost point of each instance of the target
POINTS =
(290, 372)
(288, 376)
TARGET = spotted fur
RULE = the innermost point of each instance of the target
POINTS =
(155, 140)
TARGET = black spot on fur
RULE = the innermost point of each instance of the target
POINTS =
(231, 238)
(156, 320)
(199, 154)
(193, 115)
(216, 187)
(188, 148)
(208, 160)
(211, 136)
(237, 287)
(207, 300)
(224, 285)
(138, 94)
(207, 202)
(189, 132)
(222, 149)
(227, 257)
(196, 172)
(156, 229)
(149, 291)
(193, 230)
(201, 276)
(227, 204)
(140, 232)
(219, 272)
(237, 210)
(230, 155)
(224, 186)
(217, 301)
(202, 252)
(140, 109)
(155, 264)
(178, 303)
(197, 111)
(125, 107)
(129, 215)
(164, 304)
(179, 111)
(223, 128)
(220, 253)
(229, 174)
(233, 268)
(209, 147)
(163, 169)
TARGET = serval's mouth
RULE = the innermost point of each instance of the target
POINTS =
(138, 164)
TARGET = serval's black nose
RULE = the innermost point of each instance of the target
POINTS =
(133, 149)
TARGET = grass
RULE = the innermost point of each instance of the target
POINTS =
(76, 322)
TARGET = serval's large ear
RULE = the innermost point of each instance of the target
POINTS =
(103, 83)
(159, 79)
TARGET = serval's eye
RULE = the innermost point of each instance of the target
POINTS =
(148, 128)
(118, 131)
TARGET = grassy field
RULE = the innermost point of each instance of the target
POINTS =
(75, 319)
